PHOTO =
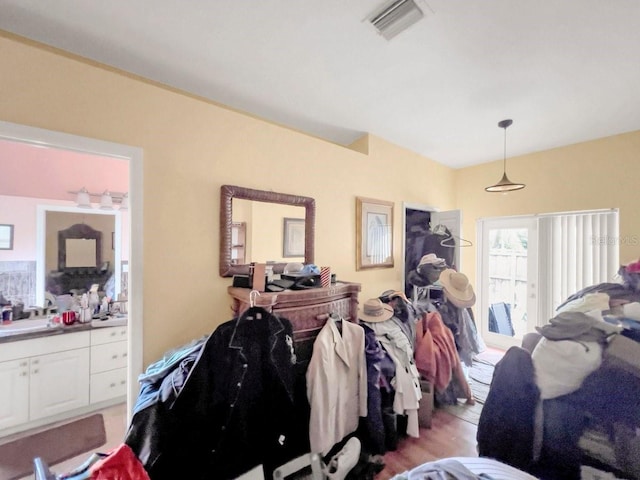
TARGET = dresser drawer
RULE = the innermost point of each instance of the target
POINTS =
(309, 319)
(108, 356)
(108, 335)
(108, 385)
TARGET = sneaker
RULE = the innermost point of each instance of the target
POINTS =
(344, 461)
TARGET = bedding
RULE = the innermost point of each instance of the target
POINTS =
(464, 468)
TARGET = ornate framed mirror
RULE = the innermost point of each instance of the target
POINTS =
(230, 193)
(79, 246)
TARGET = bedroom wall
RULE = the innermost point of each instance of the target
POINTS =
(190, 148)
(592, 175)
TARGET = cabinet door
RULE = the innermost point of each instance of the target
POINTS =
(108, 385)
(108, 356)
(59, 382)
(14, 394)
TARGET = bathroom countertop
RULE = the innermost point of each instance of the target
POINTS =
(61, 330)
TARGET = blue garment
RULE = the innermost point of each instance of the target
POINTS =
(152, 381)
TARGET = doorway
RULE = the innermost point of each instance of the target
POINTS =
(418, 222)
(50, 139)
(508, 277)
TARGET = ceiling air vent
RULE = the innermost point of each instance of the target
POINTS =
(395, 17)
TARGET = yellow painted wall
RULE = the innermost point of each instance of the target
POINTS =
(598, 174)
(192, 147)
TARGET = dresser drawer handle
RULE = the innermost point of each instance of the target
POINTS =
(114, 357)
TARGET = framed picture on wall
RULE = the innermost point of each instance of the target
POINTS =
(374, 233)
(293, 238)
(6, 237)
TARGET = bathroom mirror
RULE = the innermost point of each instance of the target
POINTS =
(76, 247)
(231, 193)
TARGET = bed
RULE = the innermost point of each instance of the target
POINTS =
(492, 469)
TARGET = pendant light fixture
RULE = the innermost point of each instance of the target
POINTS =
(505, 185)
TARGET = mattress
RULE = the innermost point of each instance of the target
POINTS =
(494, 469)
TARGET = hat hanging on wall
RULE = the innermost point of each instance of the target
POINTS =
(505, 185)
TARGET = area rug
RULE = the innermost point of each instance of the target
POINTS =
(53, 446)
(480, 375)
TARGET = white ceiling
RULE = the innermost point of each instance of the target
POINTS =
(565, 71)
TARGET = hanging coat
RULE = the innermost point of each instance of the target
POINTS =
(336, 384)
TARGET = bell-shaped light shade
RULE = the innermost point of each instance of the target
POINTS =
(124, 203)
(106, 202)
(83, 199)
(505, 185)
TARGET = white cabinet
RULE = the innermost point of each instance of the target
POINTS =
(14, 394)
(43, 377)
(59, 382)
(108, 364)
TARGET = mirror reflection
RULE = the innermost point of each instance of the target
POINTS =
(264, 226)
(252, 219)
(78, 250)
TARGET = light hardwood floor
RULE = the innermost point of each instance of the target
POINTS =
(449, 436)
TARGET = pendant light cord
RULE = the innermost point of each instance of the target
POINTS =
(504, 162)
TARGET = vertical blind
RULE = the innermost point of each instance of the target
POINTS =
(577, 250)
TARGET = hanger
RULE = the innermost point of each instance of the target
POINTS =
(337, 319)
(451, 237)
(256, 311)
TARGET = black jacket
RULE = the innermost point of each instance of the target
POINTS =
(238, 407)
(507, 421)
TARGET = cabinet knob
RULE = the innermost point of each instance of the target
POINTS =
(23, 374)
(112, 385)
(113, 334)
(122, 382)
(113, 357)
(124, 355)
(23, 364)
(36, 361)
(35, 371)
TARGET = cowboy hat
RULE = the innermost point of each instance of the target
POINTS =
(457, 288)
(374, 310)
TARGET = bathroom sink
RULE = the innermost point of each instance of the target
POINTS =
(25, 326)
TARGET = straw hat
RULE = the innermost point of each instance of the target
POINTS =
(374, 310)
(457, 288)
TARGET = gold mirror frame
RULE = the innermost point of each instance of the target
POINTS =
(229, 192)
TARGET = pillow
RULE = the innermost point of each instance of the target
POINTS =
(562, 365)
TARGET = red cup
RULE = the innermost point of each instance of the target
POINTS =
(68, 317)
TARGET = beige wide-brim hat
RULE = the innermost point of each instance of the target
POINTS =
(374, 310)
(457, 288)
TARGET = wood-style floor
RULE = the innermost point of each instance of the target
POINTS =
(448, 436)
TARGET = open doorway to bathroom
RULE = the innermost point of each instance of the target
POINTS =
(52, 183)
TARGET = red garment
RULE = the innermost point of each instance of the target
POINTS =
(119, 464)
(436, 355)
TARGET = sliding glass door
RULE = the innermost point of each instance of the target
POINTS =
(528, 266)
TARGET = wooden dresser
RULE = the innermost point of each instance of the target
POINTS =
(307, 310)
